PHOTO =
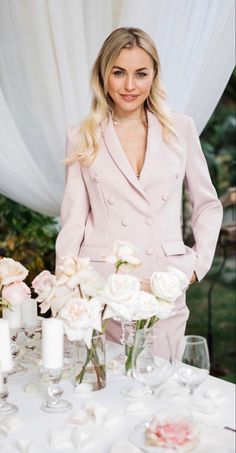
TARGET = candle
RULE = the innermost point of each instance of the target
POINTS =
(5, 346)
(52, 343)
(13, 315)
(29, 312)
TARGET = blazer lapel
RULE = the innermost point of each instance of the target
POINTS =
(118, 155)
(153, 150)
(160, 160)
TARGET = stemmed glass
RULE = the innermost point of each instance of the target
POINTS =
(152, 363)
(194, 365)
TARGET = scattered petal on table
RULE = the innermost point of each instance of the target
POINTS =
(10, 422)
(124, 446)
(214, 394)
(23, 445)
(61, 439)
(204, 406)
(80, 418)
(98, 411)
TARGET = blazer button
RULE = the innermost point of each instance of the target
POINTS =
(124, 221)
(165, 196)
(177, 175)
(149, 220)
(149, 251)
(111, 201)
(96, 178)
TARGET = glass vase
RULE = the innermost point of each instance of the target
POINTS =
(90, 363)
(127, 339)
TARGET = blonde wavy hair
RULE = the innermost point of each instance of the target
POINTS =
(86, 141)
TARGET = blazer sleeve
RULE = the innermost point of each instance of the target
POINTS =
(74, 209)
(207, 209)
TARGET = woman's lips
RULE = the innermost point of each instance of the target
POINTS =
(129, 97)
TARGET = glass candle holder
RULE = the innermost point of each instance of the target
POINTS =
(6, 408)
(54, 403)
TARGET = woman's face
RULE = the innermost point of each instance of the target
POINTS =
(130, 81)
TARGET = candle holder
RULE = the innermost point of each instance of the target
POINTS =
(54, 403)
(6, 408)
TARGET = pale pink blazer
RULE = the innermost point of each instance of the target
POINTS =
(106, 201)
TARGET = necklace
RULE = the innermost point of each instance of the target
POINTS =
(116, 121)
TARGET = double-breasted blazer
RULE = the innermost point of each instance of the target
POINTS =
(106, 201)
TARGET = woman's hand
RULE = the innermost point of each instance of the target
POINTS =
(194, 279)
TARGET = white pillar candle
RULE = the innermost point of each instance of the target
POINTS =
(13, 315)
(5, 346)
(29, 312)
(52, 343)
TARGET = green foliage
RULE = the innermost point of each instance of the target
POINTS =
(219, 137)
(223, 317)
(27, 236)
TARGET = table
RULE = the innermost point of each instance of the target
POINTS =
(38, 426)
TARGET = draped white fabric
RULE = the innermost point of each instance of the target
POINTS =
(47, 49)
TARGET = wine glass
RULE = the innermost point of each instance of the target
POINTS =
(152, 363)
(194, 364)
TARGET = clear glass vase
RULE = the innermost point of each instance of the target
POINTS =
(90, 363)
(127, 339)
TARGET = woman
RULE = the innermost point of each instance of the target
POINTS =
(126, 166)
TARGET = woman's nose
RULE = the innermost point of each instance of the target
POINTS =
(129, 83)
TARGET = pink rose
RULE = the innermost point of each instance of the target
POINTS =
(71, 271)
(50, 293)
(172, 431)
(44, 286)
(15, 293)
(11, 271)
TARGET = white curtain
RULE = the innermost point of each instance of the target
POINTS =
(47, 48)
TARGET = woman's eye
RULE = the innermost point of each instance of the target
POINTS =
(141, 74)
(118, 73)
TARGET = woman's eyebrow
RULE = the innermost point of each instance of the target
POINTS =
(122, 69)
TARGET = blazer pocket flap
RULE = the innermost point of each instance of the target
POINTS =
(174, 248)
(94, 253)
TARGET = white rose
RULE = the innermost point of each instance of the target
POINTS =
(166, 285)
(123, 251)
(80, 318)
(11, 271)
(119, 295)
(146, 306)
(183, 280)
(94, 286)
(61, 296)
(71, 270)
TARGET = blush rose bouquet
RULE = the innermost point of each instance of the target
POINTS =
(12, 288)
(72, 294)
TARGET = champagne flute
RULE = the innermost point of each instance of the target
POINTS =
(194, 365)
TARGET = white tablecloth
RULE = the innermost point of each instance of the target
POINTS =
(39, 427)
